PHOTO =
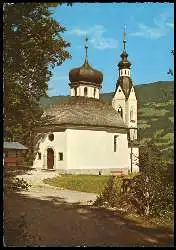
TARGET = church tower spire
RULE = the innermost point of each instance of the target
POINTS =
(124, 65)
(124, 100)
(86, 49)
(124, 38)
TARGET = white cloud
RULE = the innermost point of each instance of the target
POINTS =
(171, 25)
(160, 29)
(96, 37)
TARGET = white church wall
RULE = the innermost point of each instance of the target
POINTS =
(119, 101)
(90, 91)
(131, 104)
(89, 150)
(135, 159)
(72, 92)
(58, 145)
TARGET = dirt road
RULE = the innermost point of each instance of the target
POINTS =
(41, 217)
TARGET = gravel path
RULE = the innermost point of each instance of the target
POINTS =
(44, 191)
(49, 216)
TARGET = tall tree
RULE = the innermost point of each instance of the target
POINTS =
(33, 45)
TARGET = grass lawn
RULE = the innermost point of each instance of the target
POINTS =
(83, 183)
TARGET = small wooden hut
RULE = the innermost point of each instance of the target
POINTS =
(13, 154)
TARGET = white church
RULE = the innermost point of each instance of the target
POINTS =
(84, 134)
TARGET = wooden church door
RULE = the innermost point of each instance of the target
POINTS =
(50, 158)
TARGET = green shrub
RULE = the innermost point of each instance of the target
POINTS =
(150, 193)
(111, 193)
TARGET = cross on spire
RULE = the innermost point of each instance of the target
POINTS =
(124, 38)
(86, 47)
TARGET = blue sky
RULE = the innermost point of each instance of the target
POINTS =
(150, 38)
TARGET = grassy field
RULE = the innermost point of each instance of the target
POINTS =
(83, 183)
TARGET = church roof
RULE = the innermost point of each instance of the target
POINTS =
(125, 83)
(14, 145)
(86, 73)
(83, 111)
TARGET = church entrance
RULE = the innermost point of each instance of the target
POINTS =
(50, 158)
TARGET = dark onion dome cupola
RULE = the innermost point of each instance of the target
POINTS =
(86, 76)
(124, 65)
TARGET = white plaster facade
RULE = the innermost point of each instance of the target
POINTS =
(85, 90)
(58, 145)
(85, 150)
(129, 107)
(91, 150)
(129, 110)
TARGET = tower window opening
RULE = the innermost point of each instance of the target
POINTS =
(75, 91)
(120, 111)
(131, 115)
(85, 91)
(125, 72)
(94, 91)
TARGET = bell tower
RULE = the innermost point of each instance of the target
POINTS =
(124, 100)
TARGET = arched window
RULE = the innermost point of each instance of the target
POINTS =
(75, 91)
(85, 91)
(39, 156)
(125, 72)
(115, 143)
(131, 115)
(94, 91)
(120, 111)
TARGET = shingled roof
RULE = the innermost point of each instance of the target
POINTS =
(14, 145)
(84, 111)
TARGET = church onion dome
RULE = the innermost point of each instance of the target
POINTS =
(86, 73)
(125, 83)
(81, 111)
(124, 63)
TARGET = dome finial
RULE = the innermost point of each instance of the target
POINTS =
(86, 47)
(124, 38)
